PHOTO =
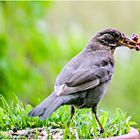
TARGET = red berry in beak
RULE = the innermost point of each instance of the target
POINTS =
(135, 37)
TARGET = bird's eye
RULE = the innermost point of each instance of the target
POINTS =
(116, 35)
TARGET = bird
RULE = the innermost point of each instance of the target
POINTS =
(84, 80)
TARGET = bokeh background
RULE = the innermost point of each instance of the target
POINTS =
(38, 38)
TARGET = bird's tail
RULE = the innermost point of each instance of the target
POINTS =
(47, 107)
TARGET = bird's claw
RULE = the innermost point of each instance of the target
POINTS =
(101, 131)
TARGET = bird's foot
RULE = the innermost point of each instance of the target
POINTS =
(101, 131)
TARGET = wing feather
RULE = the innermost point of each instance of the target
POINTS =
(65, 90)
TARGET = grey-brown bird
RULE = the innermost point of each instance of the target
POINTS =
(85, 78)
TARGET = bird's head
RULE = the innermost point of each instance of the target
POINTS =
(112, 38)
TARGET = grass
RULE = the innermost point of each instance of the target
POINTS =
(14, 116)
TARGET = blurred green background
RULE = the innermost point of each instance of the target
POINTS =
(38, 38)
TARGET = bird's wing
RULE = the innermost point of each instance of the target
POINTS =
(65, 90)
(84, 74)
(83, 79)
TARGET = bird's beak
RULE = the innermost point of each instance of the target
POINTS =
(125, 41)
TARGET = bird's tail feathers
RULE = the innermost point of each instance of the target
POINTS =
(47, 107)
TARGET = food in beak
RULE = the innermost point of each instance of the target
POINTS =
(135, 38)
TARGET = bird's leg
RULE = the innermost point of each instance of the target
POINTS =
(94, 108)
(71, 115)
